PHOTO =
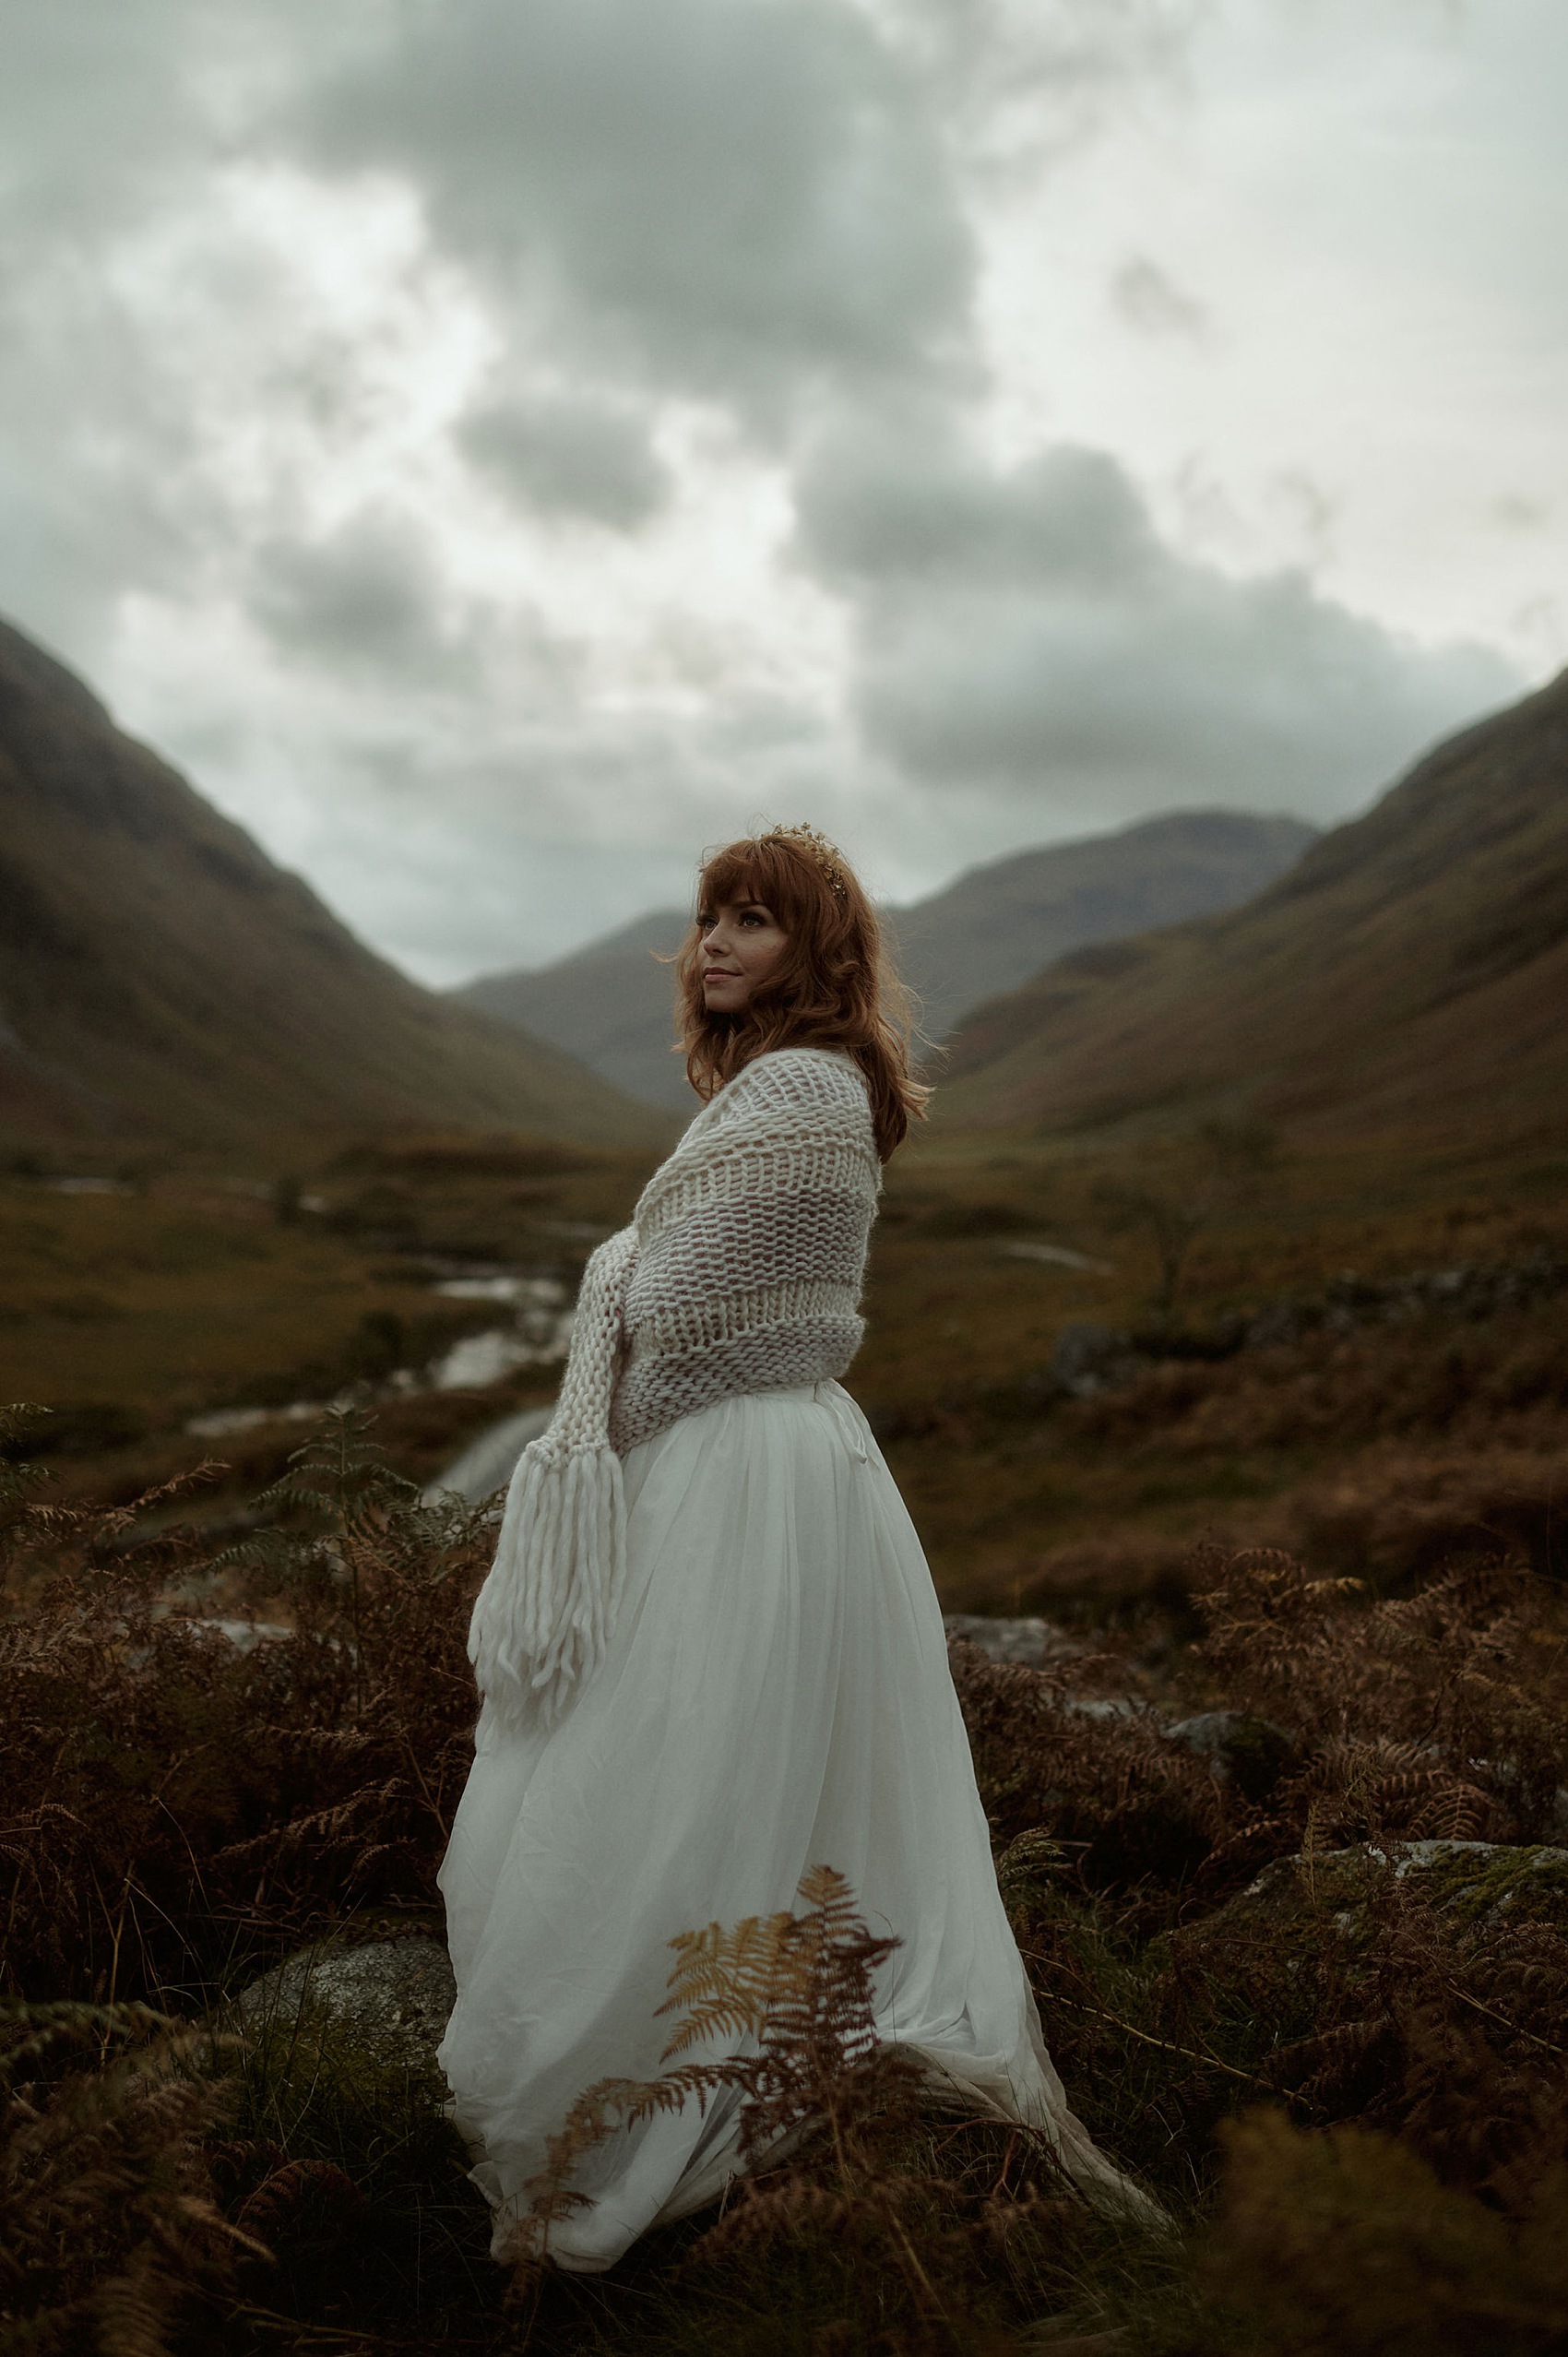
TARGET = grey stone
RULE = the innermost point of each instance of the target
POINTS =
(1029, 1642)
(245, 1636)
(1209, 1731)
(1239, 1748)
(386, 2002)
(1089, 1359)
(1476, 1881)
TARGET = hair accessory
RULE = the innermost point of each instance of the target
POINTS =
(828, 858)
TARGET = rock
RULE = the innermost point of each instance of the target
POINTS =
(1251, 1753)
(1028, 1642)
(245, 1636)
(1087, 1360)
(1474, 1881)
(385, 2003)
(1483, 1880)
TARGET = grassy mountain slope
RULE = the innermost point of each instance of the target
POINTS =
(160, 977)
(1410, 971)
(998, 924)
(609, 1003)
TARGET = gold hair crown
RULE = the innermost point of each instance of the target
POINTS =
(828, 858)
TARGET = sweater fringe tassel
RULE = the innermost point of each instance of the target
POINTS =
(542, 1618)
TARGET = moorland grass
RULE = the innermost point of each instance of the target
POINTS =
(1382, 1451)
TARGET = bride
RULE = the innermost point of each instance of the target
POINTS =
(709, 1650)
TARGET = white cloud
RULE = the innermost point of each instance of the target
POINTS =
(1150, 301)
(571, 455)
(1026, 636)
(501, 448)
(736, 197)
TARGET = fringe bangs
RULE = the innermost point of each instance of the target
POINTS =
(835, 987)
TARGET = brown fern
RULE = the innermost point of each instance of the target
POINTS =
(109, 2233)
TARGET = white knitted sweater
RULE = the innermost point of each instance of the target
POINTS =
(740, 1272)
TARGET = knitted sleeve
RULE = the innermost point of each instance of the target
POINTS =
(540, 1623)
(752, 1244)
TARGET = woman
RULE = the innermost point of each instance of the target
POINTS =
(710, 1652)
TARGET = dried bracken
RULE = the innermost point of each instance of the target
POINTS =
(827, 2118)
(169, 1797)
(176, 1813)
(109, 2233)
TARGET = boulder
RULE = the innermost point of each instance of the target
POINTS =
(1489, 1882)
(384, 2003)
(1087, 1360)
(245, 1636)
(1251, 1753)
(1028, 1642)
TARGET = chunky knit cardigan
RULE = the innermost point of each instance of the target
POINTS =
(740, 1272)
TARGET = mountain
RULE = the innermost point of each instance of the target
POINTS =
(610, 1004)
(998, 924)
(1409, 972)
(160, 977)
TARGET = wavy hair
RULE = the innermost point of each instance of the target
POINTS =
(835, 985)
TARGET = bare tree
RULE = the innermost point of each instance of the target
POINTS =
(1186, 1185)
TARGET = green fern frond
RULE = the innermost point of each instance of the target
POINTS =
(338, 1471)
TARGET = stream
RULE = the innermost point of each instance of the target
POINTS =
(537, 1334)
(487, 1463)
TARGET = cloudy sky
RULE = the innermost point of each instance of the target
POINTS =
(497, 446)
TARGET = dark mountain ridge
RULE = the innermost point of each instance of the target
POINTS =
(160, 977)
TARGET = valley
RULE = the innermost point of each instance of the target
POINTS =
(1218, 1338)
(1372, 1444)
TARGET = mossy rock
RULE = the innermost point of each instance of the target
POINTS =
(1473, 1881)
(1253, 1753)
(377, 2009)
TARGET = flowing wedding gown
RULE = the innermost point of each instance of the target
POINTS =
(775, 1695)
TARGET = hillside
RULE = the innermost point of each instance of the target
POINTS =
(998, 924)
(609, 1003)
(160, 977)
(1411, 971)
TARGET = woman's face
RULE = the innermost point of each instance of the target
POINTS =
(742, 943)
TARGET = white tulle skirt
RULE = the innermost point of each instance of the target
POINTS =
(776, 1696)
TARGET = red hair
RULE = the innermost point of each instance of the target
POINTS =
(834, 985)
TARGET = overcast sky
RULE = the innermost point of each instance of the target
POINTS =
(497, 446)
